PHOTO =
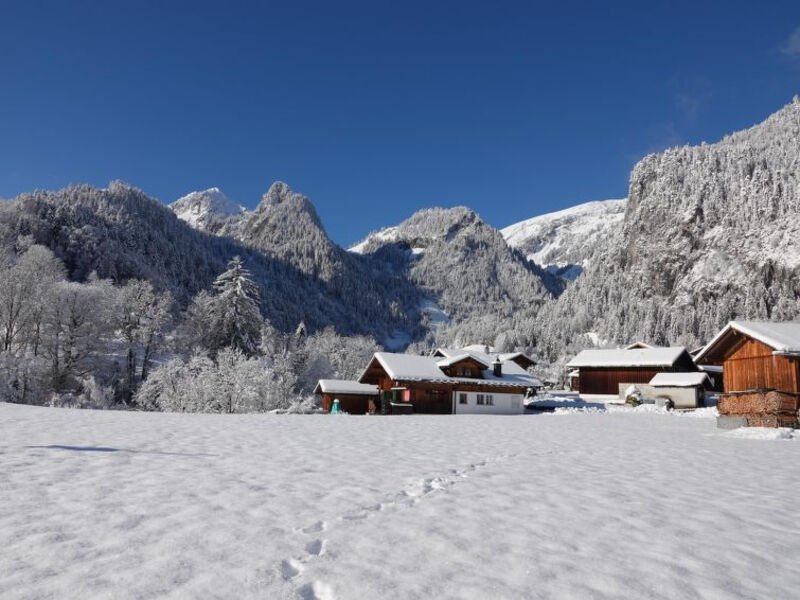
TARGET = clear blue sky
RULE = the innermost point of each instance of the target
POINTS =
(376, 109)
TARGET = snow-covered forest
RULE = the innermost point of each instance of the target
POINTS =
(100, 344)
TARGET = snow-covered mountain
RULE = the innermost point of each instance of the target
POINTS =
(487, 288)
(711, 233)
(207, 210)
(562, 241)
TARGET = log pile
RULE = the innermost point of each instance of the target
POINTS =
(761, 408)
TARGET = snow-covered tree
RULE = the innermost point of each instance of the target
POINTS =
(235, 317)
(141, 315)
(233, 383)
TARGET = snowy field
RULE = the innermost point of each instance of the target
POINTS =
(618, 504)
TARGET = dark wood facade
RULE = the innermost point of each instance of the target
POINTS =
(523, 361)
(466, 367)
(751, 365)
(606, 380)
(353, 404)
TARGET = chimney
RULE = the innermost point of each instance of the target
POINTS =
(497, 367)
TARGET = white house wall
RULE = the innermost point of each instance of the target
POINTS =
(504, 404)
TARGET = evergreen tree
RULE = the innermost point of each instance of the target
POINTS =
(236, 320)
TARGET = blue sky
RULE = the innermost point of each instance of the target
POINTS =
(377, 109)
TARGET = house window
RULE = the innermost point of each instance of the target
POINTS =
(459, 372)
(481, 399)
(462, 398)
(489, 400)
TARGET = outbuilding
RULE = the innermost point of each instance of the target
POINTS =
(683, 390)
(354, 398)
(605, 372)
(761, 372)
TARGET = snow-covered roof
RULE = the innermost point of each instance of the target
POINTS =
(457, 358)
(478, 352)
(412, 367)
(783, 338)
(621, 357)
(679, 379)
(513, 355)
(710, 368)
(345, 386)
(635, 345)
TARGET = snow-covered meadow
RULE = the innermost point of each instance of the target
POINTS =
(621, 504)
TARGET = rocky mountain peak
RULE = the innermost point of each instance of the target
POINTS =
(207, 210)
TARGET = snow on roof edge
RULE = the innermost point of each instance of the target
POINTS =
(755, 330)
(345, 386)
(621, 357)
(690, 379)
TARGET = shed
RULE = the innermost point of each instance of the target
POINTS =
(685, 390)
(603, 371)
(354, 398)
(761, 371)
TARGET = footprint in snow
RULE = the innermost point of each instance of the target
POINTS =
(315, 547)
(316, 591)
(316, 527)
(291, 568)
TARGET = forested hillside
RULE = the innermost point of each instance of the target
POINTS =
(710, 233)
(119, 233)
(491, 292)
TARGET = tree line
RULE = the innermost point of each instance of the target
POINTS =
(104, 345)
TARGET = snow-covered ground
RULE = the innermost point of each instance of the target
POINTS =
(619, 504)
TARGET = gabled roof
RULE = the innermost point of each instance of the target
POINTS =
(636, 345)
(451, 360)
(345, 386)
(412, 367)
(783, 338)
(478, 352)
(620, 357)
(515, 355)
(680, 379)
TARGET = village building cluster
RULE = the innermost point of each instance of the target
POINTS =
(751, 370)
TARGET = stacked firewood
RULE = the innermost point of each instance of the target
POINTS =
(761, 408)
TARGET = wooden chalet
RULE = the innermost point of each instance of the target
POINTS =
(354, 398)
(449, 382)
(761, 371)
(601, 372)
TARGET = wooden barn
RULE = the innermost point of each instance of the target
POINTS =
(354, 398)
(449, 382)
(601, 372)
(761, 371)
